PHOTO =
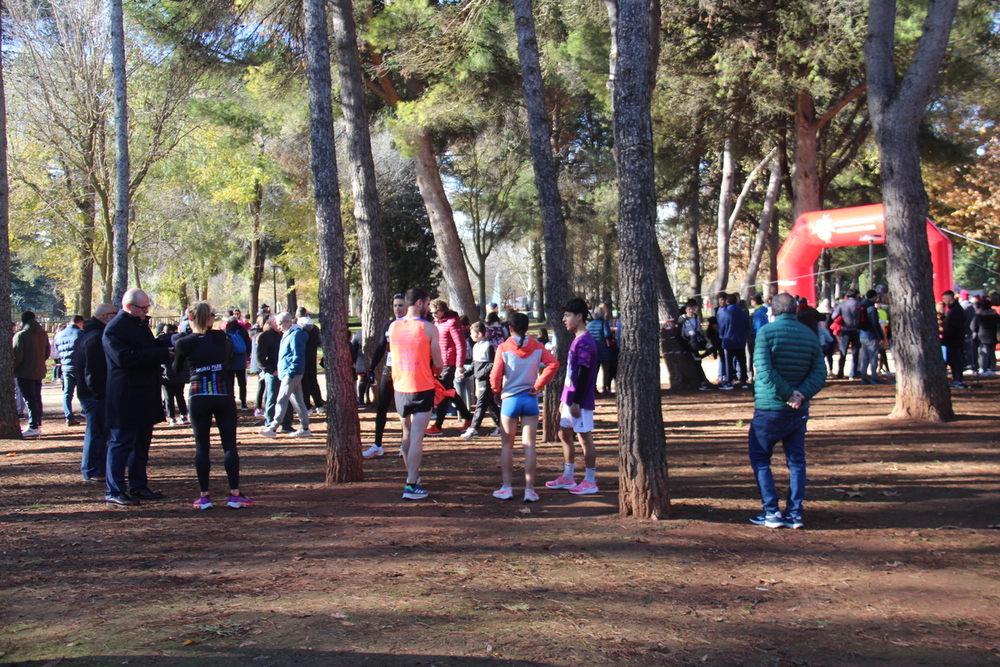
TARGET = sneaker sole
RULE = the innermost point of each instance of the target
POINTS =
(203, 507)
(584, 493)
(559, 486)
(373, 456)
(503, 497)
(237, 506)
(414, 496)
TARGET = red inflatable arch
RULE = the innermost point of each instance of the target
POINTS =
(843, 227)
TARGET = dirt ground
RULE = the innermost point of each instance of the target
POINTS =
(898, 564)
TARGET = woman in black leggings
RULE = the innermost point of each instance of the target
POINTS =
(207, 354)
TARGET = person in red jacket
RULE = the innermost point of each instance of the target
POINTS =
(451, 337)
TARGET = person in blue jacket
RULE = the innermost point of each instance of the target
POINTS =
(734, 324)
(291, 368)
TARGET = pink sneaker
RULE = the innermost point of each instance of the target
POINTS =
(562, 482)
(584, 488)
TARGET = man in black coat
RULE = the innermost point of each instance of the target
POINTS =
(268, 343)
(92, 386)
(133, 398)
(953, 337)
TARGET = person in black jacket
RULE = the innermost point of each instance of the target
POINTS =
(238, 365)
(91, 388)
(133, 398)
(953, 337)
(984, 330)
(268, 343)
(173, 382)
(207, 355)
(386, 393)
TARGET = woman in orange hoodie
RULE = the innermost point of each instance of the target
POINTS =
(516, 381)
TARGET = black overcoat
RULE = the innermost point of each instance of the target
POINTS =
(134, 358)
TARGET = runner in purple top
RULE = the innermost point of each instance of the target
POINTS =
(581, 376)
(576, 414)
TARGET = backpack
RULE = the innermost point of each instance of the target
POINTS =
(239, 345)
(861, 319)
(496, 336)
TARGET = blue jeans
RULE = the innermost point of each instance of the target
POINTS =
(768, 428)
(95, 439)
(128, 447)
(869, 358)
(68, 386)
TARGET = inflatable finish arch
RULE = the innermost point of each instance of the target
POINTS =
(843, 227)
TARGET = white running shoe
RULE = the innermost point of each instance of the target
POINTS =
(302, 433)
(530, 496)
(503, 493)
(30, 432)
(470, 433)
(269, 432)
(373, 451)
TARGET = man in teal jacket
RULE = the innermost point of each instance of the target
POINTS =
(789, 372)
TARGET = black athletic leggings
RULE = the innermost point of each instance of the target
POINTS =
(203, 407)
(386, 397)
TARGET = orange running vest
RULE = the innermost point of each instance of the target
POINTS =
(411, 357)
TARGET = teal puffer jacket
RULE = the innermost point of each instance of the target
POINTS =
(786, 358)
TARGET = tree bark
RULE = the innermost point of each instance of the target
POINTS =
(442, 219)
(376, 308)
(766, 218)
(722, 220)
(343, 437)
(122, 168)
(10, 428)
(694, 217)
(256, 250)
(896, 108)
(553, 222)
(644, 487)
(805, 161)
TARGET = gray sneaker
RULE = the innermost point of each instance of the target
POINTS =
(769, 519)
(302, 433)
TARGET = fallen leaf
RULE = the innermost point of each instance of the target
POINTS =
(189, 642)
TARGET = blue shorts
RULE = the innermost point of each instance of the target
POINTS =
(520, 405)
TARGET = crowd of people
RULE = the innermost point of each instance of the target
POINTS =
(127, 380)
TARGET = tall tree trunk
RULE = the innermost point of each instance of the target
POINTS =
(826, 280)
(538, 276)
(722, 220)
(256, 249)
(773, 246)
(553, 223)
(122, 168)
(376, 308)
(442, 219)
(291, 296)
(896, 108)
(805, 162)
(694, 218)
(343, 436)
(10, 428)
(766, 218)
(644, 487)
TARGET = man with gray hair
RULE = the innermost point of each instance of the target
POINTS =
(789, 371)
(291, 366)
(133, 400)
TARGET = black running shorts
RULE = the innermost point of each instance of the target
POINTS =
(411, 404)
